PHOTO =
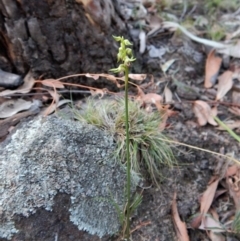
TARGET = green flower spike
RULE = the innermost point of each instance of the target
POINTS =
(125, 56)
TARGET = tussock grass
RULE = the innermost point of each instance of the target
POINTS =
(148, 151)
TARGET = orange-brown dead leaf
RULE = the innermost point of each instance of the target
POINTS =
(204, 113)
(212, 67)
(180, 227)
(150, 98)
(54, 83)
(225, 83)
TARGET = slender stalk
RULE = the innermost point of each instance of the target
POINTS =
(128, 156)
(230, 131)
(126, 57)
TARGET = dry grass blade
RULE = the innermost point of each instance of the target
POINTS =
(180, 226)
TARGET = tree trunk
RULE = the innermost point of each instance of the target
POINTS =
(55, 38)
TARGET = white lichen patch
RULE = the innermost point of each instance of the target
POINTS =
(51, 155)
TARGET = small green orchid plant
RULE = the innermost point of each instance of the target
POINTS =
(125, 56)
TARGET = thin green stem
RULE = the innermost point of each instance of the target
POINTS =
(128, 156)
(230, 131)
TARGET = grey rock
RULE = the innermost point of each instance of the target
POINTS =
(51, 155)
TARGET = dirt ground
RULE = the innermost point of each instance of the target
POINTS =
(190, 179)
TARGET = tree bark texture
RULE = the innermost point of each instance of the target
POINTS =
(55, 38)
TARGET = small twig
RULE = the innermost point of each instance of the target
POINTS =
(47, 93)
(141, 225)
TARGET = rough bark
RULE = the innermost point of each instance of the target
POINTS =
(58, 37)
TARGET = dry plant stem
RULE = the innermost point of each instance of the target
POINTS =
(128, 155)
(201, 149)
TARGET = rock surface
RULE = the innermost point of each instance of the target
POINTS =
(55, 157)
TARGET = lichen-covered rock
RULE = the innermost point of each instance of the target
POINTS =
(52, 155)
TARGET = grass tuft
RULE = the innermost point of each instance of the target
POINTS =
(148, 151)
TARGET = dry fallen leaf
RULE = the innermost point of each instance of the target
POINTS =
(231, 49)
(11, 107)
(155, 24)
(29, 81)
(167, 65)
(94, 76)
(54, 83)
(139, 77)
(230, 124)
(168, 95)
(212, 67)
(208, 196)
(232, 170)
(205, 203)
(204, 113)
(150, 98)
(216, 236)
(143, 39)
(232, 179)
(225, 83)
(180, 227)
(98, 92)
(234, 110)
(236, 97)
(214, 227)
(211, 222)
(235, 100)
